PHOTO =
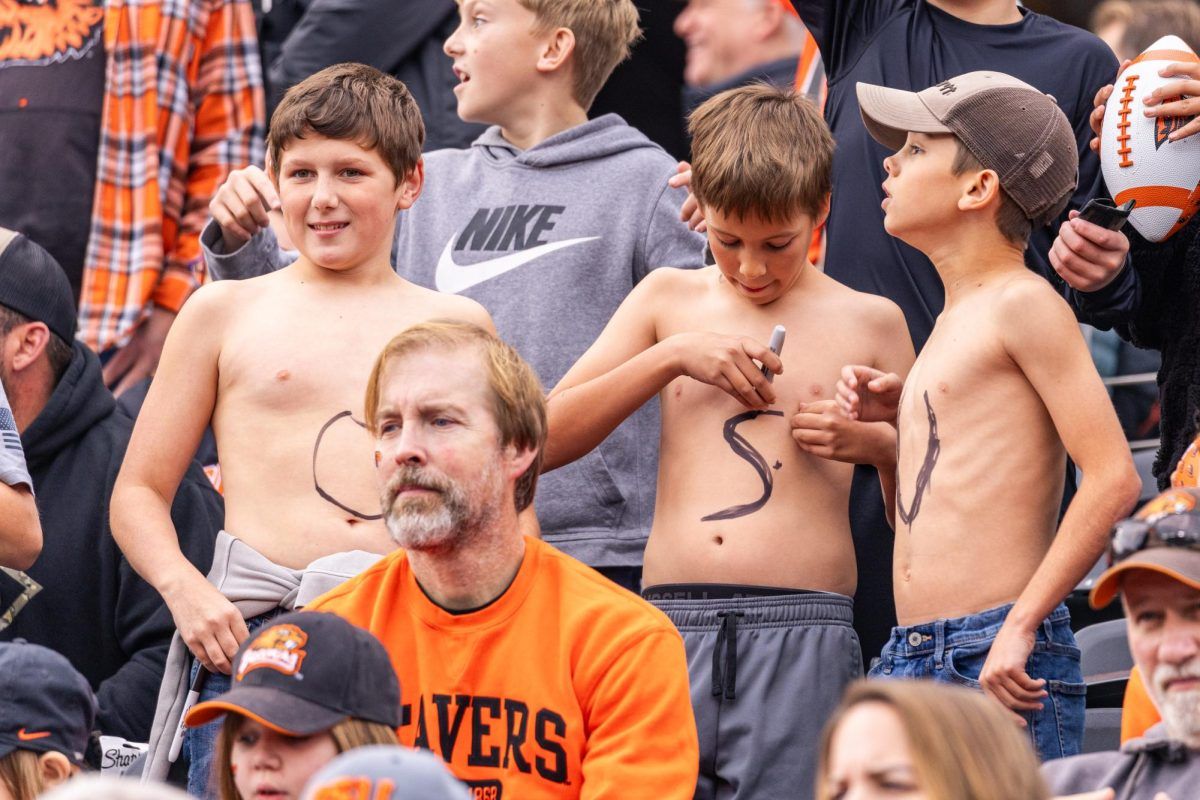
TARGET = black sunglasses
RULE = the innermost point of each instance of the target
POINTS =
(1133, 535)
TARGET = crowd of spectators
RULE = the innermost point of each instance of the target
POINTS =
(577, 398)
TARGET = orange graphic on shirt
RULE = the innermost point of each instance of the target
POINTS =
(30, 31)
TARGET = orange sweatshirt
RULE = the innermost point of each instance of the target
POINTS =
(566, 686)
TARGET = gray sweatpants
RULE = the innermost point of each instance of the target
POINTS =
(765, 672)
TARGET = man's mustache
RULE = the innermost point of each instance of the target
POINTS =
(414, 477)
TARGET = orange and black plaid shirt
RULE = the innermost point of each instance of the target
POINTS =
(183, 106)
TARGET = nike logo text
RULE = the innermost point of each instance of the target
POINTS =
(29, 737)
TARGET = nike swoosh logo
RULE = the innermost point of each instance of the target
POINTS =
(29, 737)
(454, 278)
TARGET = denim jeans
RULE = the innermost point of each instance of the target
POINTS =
(200, 744)
(953, 651)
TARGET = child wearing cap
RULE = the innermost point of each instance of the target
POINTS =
(306, 688)
(47, 712)
(1002, 392)
(384, 772)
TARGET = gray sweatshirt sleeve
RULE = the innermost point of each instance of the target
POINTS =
(259, 256)
(12, 456)
(668, 242)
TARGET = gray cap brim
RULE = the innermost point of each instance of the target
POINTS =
(890, 114)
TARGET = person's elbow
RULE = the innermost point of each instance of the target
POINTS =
(1119, 481)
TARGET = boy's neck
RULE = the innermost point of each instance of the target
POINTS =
(375, 272)
(542, 120)
(962, 261)
(980, 12)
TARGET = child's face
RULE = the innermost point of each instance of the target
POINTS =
(761, 260)
(340, 200)
(267, 764)
(495, 52)
(921, 190)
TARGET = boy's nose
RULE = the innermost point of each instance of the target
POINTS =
(324, 193)
(889, 164)
(451, 46)
(751, 267)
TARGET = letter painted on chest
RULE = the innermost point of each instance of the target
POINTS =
(746, 451)
(932, 449)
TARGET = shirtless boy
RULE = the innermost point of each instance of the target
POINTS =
(1003, 390)
(750, 551)
(279, 363)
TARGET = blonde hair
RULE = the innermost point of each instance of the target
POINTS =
(761, 151)
(518, 403)
(21, 774)
(352, 102)
(605, 31)
(962, 743)
(347, 735)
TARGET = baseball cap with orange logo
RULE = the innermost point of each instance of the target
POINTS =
(1187, 471)
(45, 704)
(306, 672)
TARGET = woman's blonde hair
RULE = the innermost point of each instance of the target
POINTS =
(347, 735)
(962, 744)
(21, 774)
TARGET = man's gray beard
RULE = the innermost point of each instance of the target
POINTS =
(443, 521)
(1180, 709)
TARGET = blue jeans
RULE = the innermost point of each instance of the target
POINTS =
(200, 744)
(953, 651)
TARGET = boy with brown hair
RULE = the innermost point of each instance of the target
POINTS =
(548, 220)
(750, 553)
(278, 365)
(1002, 392)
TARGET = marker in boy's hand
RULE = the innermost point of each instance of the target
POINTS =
(869, 395)
(726, 362)
(690, 211)
(242, 206)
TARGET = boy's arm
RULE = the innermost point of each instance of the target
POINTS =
(842, 27)
(668, 241)
(628, 364)
(20, 526)
(1050, 351)
(238, 241)
(178, 407)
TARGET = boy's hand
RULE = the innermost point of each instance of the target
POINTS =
(726, 362)
(242, 206)
(138, 359)
(210, 625)
(824, 431)
(1004, 677)
(1087, 256)
(689, 212)
(869, 395)
(1182, 93)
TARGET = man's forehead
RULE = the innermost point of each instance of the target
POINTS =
(431, 372)
(1150, 586)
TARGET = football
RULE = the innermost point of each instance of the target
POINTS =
(1138, 161)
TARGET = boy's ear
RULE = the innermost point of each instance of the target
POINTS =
(822, 210)
(55, 768)
(410, 187)
(557, 47)
(981, 190)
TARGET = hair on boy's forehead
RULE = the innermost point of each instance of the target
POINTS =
(352, 102)
(760, 151)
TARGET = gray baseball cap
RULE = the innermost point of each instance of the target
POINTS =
(385, 771)
(1008, 125)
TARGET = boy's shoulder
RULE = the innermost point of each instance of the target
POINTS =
(677, 284)
(444, 304)
(861, 308)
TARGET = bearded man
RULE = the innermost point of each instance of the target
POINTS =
(1155, 567)
(531, 674)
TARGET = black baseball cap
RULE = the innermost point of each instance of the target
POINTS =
(45, 704)
(32, 283)
(306, 672)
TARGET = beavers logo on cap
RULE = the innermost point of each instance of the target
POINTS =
(1169, 502)
(356, 789)
(280, 647)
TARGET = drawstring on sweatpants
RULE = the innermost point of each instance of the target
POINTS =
(724, 682)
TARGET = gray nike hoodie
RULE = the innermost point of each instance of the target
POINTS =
(549, 240)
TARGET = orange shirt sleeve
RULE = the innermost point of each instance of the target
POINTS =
(1138, 712)
(642, 734)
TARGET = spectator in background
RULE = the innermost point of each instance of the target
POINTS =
(96, 787)
(400, 37)
(304, 689)
(734, 42)
(1155, 559)
(46, 716)
(80, 597)
(920, 739)
(118, 120)
(1130, 26)
(378, 770)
